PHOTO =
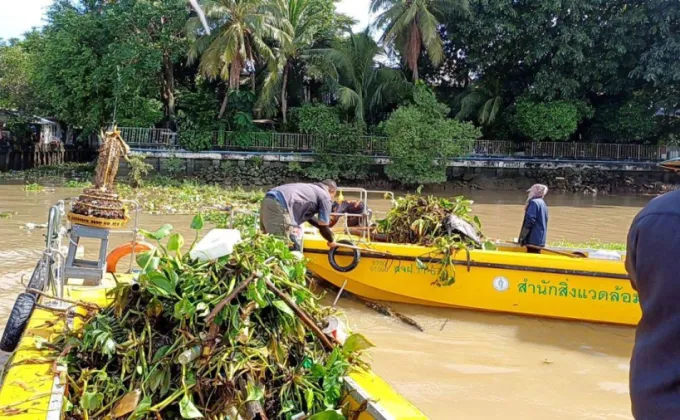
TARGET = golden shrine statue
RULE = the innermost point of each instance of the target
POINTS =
(100, 206)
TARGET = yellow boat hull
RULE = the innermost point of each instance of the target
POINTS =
(507, 281)
(33, 383)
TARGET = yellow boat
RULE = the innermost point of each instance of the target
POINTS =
(559, 284)
(33, 381)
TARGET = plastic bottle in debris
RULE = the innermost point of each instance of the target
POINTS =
(188, 356)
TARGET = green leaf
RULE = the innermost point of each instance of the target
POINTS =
(256, 293)
(160, 284)
(184, 309)
(142, 409)
(156, 379)
(188, 410)
(421, 265)
(318, 370)
(255, 393)
(477, 222)
(158, 235)
(91, 400)
(165, 383)
(67, 405)
(356, 342)
(197, 222)
(281, 305)
(309, 397)
(489, 246)
(327, 415)
(202, 309)
(109, 347)
(148, 261)
(175, 242)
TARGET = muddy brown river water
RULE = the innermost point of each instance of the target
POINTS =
(466, 365)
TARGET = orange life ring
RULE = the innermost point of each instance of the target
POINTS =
(122, 251)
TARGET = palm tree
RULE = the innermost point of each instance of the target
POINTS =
(411, 25)
(482, 98)
(359, 82)
(299, 21)
(238, 32)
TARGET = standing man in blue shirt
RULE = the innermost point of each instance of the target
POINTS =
(653, 267)
(535, 226)
(286, 208)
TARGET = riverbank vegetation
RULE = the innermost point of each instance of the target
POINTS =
(164, 196)
(597, 71)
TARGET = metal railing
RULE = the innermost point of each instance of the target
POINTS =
(377, 146)
(597, 151)
(298, 142)
(149, 137)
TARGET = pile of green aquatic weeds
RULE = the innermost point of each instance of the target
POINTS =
(166, 196)
(237, 337)
(416, 219)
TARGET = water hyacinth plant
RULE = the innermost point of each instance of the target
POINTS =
(417, 219)
(237, 336)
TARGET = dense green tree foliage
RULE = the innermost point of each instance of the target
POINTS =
(15, 71)
(604, 53)
(523, 70)
(422, 139)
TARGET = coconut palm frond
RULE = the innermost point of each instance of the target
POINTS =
(449, 8)
(470, 103)
(429, 30)
(378, 5)
(413, 25)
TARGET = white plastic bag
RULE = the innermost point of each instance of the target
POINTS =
(217, 243)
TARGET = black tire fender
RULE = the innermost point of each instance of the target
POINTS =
(18, 319)
(355, 260)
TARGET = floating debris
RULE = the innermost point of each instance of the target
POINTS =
(32, 226)
(7, 214)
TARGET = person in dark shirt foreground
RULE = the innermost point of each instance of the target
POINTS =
(535, 226)
(286, 208)
(653, 265)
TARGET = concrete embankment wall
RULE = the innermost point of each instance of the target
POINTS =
(251, 168)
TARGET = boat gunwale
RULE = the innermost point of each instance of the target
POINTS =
(472, 263)
(360, 395)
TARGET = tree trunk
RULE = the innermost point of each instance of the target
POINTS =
(415, 46)
(284, 98)
(168, 87)
(223, 107)
(235, 74)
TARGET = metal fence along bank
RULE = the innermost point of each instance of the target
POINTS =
(154, 139)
